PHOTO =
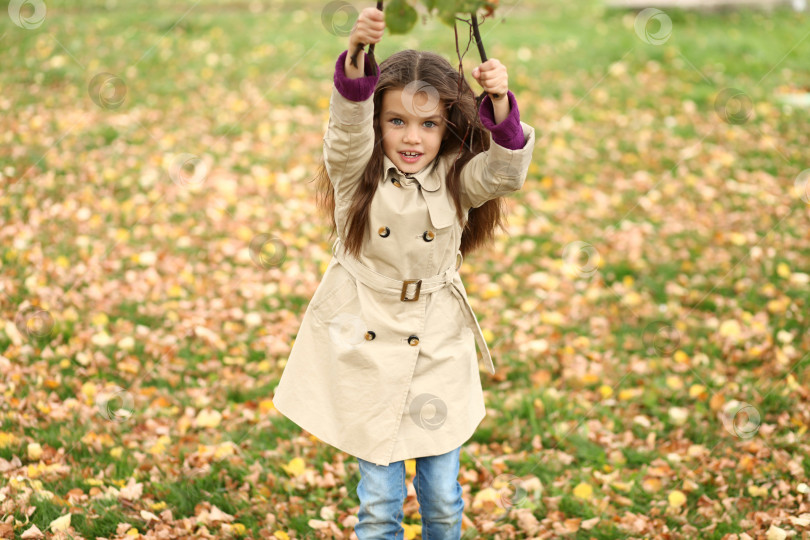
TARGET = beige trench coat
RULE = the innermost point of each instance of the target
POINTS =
(377, 375)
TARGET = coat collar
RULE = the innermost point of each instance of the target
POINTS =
(441, 212)
(428, 181)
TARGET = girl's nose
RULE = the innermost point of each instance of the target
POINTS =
(411, 134)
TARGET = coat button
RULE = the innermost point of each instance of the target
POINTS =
(428, 236)
(370, 335)
(384, 232)
(396, 182)
(413, 341)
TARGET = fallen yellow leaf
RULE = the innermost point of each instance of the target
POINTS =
(677, 499)
(491, 290)
(681, 357)
(651, 485)
(697, 390)
(208, 418)
(590, 378)
(61, 523)
(678, 415)
(622, 486)
(410, 533)
(295, 467)
(583, 491)
(730, 328)
(757, 491)
(34, 451)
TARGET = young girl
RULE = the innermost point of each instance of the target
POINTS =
(384, 365)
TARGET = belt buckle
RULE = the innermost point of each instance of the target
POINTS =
(405, 287)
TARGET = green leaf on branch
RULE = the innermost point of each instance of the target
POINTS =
(448, 10)
(400, 17)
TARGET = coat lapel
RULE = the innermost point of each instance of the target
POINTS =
(433, 189)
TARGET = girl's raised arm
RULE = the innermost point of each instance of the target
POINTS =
(503, 168)
(349, 139)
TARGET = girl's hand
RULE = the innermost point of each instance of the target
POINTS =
(368, 29)
(492, 77)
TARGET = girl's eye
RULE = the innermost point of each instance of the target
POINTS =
(431, 122)
(395, 120)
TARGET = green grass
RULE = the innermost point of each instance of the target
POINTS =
(209, 79)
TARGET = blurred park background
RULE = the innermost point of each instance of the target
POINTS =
(647, 308)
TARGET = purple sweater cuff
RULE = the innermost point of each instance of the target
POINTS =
(355, 89)
(508, 133)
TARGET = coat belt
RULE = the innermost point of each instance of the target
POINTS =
(386, 285)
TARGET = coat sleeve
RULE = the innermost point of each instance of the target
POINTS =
(349, 138)
(503, 168)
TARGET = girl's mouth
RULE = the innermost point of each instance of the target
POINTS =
(410, 157)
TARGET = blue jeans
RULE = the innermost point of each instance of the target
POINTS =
(382, 494)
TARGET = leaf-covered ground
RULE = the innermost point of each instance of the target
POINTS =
(647, 310)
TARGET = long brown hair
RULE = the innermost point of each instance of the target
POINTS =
(464, 137)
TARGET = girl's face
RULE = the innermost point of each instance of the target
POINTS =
(412, 125)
